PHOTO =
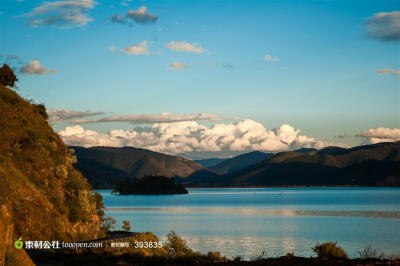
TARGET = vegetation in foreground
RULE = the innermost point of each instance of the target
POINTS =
(175, 251)
(149, 185)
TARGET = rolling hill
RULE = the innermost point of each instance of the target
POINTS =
(239, 162)
(368, 165)
(104, 167)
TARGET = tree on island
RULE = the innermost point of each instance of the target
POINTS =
(149, 185)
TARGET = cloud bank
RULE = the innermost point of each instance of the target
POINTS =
(384, 26)
(380, 134)
(189, 136)
(61, 14)
(34, 67)
(157, 118)
(56, 115)
(184, 47)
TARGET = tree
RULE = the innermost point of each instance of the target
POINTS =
(7, 76)
(126, 225)
(177, 246)
(108, 223)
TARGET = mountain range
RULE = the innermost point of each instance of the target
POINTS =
(367, 165)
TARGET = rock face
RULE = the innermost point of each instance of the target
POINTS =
(42, 196)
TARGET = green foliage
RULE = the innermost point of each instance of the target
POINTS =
(126, 225)
(370, 253)
(177, 246)
(7, 76)
(329, 250)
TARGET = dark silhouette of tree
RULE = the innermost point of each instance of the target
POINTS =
(149, 185)
(7, 76)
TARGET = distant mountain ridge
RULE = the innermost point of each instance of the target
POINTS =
(239, 162)
(368, 165)
(106, 166)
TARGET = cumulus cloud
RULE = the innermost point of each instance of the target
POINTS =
(384, 26)
(190, 136)
(34, 67)
(56, 115)
(380, 134)
(177, 65)
(387, 71)
(62, 14)
(270, 58)
(184, 47)
(136, 49)
(140, 16)
(156, 118)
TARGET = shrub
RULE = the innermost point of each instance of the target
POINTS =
(108, 223)
(40, 109)
(370, 253)
(177, 246)
(7, 76)
(329, 250)
(126, 225)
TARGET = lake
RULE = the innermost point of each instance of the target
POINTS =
(246, 221)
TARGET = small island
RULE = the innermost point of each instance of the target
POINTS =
(149, 185)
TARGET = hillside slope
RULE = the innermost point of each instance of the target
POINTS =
(105, 166)
(368, 165)
(239, 162)
(42, 196)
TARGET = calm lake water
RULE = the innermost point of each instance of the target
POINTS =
(246, 221)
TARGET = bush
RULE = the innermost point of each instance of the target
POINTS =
(329, 250)
(40, 109)
(177, 246)
(7, 76)
(370, 253)
(126, 225)
(108, 223)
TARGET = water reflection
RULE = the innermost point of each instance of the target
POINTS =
(258, 211)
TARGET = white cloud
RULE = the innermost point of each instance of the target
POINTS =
(270, 58)
(189, 136)
(56, 115)
(157, 118)
(384, 26)
(62, 14)
(387, 71)
(34, 67)
(380, 134)
(177, 65)
(136, 49)
(184, 47)
(112, 48)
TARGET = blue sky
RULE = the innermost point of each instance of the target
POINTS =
(324, 80)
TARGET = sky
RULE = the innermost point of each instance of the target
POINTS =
(209, 76)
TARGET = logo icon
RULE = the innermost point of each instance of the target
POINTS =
(19, 244)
